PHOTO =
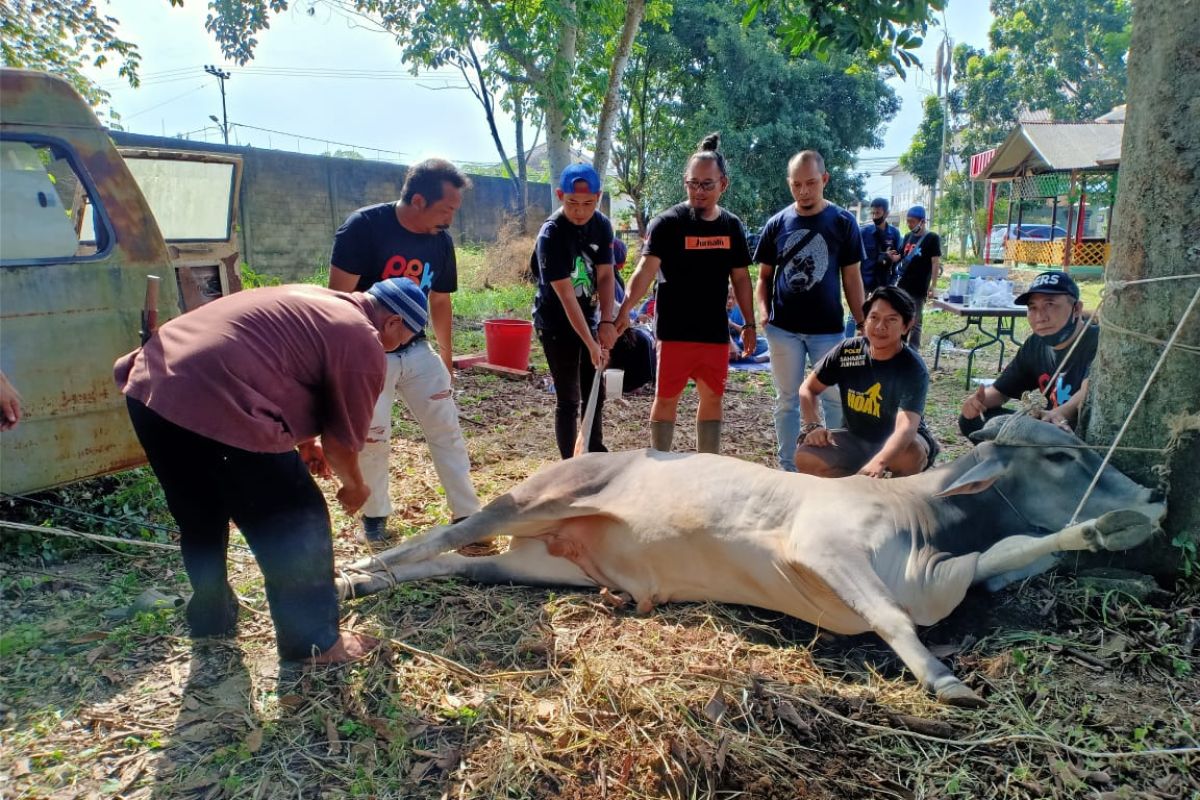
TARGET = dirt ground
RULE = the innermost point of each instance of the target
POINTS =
(491, 692)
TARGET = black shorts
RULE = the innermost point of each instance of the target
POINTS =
(851, 453)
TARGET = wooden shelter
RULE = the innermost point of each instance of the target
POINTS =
(1070, 164)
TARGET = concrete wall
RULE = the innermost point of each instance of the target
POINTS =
(291, 203)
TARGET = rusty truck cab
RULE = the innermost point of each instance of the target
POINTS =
(78, 239)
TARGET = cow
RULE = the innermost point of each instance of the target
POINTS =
(849, 555)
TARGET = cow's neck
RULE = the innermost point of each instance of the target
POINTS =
(956, 520)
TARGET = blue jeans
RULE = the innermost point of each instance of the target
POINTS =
(791, 353)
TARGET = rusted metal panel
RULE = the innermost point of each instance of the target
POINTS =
(63, 324)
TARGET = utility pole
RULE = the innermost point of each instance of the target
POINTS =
(222, 76)
(943, 87)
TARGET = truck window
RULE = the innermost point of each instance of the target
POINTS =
(41, 201)
(191, 200)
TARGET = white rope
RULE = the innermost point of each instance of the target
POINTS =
(21, 526)
(1136, 405)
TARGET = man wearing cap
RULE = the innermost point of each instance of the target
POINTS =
(409, 239)
(227, 402)
(1056, 317)
(919, 266)
(881, 242)
(574, 305)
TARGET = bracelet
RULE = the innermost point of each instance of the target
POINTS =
(608, 322)
(809, 427)
(750, 325)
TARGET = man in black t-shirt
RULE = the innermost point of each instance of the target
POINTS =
(573, 266)
(883, 384)
(919, 267)
(1056, 317)
(808, 255)
(694, 249)
(409, 239)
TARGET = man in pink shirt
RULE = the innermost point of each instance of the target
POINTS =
(227, 401)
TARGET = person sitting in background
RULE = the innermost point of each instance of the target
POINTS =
(737, 323)
(883, 385)
(1057, 319)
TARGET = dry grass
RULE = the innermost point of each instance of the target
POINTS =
(497, 692)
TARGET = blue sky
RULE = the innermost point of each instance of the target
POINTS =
(341, 84)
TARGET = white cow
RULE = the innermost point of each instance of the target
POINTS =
(849, 555)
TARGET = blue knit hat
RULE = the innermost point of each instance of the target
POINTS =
(917, 211)
(403, 297)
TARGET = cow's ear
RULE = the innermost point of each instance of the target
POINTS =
(975, 480)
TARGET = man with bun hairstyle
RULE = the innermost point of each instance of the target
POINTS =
(808, 255)
(693, 251)
(410, 239)
(228, 401)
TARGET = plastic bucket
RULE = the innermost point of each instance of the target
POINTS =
(508, 342)
(614, 382)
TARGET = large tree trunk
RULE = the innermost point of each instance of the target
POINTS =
(556, 94)
(634, 11)
(1154, 237)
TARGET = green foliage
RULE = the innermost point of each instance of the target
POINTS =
(923, 155)
(767, 103)
(255, 280)
(62, 37)
(886, 32)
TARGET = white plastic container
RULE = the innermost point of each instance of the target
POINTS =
(614, 382)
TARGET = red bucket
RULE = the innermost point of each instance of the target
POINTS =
(508, 342)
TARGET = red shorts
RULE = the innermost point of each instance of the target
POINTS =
(679, 361)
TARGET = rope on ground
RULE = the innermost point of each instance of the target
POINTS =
(1137, 404)
(95, 537)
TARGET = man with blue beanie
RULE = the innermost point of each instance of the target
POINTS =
(228, 401)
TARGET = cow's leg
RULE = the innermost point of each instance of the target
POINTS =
(493, 519)
(865, 593)
(527, 563)
(1116, 530)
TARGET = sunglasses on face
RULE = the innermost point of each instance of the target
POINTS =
(704, 186)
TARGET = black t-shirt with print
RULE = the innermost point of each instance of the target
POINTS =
(697, 257)
(808, 254)
(1036, 361)
(373, 245)
(874, 392)
(567, 250)
(913, 275)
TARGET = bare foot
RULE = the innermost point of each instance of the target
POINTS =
(349, 647)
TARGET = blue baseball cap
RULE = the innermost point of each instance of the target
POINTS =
(917, 211)
(402, 296)
(579, 172)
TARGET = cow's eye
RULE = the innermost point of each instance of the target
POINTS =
(1060, 457)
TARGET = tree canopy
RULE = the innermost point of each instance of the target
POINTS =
(62, 37)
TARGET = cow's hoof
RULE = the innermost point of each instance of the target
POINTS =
(359, 584)
(957, 694)
(1120, 530)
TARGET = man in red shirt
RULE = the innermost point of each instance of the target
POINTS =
(221, 399)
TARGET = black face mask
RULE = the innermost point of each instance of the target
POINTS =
(1063, 334)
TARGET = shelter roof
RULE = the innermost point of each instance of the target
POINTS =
(1034, 148)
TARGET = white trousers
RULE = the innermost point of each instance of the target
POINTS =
(419, 376)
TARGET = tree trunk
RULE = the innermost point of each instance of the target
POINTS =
(1153, 237)
(634, 11)
(518, 97)
(556, 94)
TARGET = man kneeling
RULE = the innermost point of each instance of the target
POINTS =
(883, 384)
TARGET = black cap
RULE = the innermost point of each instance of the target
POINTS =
(1050, 283)
(879, 202)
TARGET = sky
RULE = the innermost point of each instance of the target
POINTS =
(321, 83)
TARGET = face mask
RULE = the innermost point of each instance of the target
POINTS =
(1064, 333)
